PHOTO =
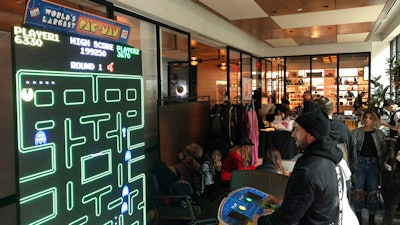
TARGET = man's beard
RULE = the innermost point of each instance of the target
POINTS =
(300, 145)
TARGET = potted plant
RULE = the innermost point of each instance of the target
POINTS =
(379, 92)
(394, 72)
(378, 95)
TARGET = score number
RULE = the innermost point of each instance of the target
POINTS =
(93, 52)
(26, 40)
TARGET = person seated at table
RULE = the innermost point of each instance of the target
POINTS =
(273, 162)
(282, 109)
(238, 159)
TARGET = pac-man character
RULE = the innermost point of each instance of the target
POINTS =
(27, 94)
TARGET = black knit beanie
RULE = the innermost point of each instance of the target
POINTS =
(316, 123)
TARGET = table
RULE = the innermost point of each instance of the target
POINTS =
(280, 139)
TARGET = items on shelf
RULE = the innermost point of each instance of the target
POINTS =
(342, 89)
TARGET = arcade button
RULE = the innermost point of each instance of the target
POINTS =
(241, 207)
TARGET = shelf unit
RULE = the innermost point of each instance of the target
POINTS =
(324, 84)
(296, 84)
(351, 84)
(295, 94)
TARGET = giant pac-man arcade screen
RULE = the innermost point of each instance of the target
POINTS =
(79, 123)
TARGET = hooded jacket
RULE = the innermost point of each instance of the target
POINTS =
(311, 194)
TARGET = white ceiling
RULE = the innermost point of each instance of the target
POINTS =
(365, 12)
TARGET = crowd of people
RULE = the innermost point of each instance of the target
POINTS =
(369, 161)
(339, 173)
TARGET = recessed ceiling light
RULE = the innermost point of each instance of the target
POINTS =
(299, 9)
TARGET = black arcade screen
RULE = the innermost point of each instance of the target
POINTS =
(79, 123)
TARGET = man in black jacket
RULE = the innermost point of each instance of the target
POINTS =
(339, 132)
(311, 194)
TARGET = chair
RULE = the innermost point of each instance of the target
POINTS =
(268, 182)
(169, 206)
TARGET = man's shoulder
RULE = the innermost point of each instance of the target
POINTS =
(338, 122)
(339, 126)
(313, 162)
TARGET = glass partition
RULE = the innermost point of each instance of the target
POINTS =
(234, 75)
(324, 70)
(353, 79)
(211, 73)
(174, 64)
(280, 81)
(267, 82)
(246, 77)
(255, 73)
(298, 79)
(272, 73)
(144, 38)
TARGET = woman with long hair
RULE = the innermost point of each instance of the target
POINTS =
(238, 158)
(371, 150)
(273, 162)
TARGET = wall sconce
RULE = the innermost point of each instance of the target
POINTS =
(194, 61)
(222, 66)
